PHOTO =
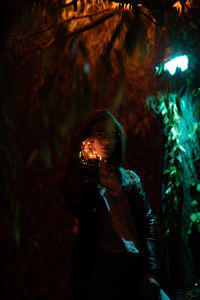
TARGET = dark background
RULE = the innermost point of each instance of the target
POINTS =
(46, 93)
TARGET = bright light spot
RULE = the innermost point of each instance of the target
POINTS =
(86, 68)
(178, 62)
(178, 6)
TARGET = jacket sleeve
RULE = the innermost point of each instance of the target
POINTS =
(150, 239)
(80, 187)
(146, 228)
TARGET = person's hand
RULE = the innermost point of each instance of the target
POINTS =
(152, 289)
(90, 161)
(88, 151)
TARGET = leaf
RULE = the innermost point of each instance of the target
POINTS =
(181, 148)
(193, 217)
(194, 130)
(176, 200)
(160, 69)
(177, 181)
(194, 203)
(179, 158)
(173, 172)
(165, 120)
(167, 232)
(196, 92)
(166, 171)
(198, 187)
(31, 158)
(192, 183)
(168, 190)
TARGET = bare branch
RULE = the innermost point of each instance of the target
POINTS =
(35, 48)
(89, 26)
(46, 44)
(144, 14)
(62, 22)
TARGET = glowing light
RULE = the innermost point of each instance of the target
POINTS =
(178, 62)
(178, 6)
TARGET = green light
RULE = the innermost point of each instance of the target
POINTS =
(178, 62)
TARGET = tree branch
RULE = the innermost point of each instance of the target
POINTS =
(62, 22)
(151, 19)
(46, 44)
(94, 24)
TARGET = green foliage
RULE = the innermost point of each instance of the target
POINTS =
(194, 217)
(167, 108)
(177, 104)
(181, 130)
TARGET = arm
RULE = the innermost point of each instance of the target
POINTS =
(80, 187)
(145, 224)
(150, 238)
(151, 281)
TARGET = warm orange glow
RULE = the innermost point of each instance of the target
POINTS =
(99, 36)
(88, 151)
(178, 6)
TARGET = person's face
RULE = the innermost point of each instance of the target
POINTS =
(104, 133)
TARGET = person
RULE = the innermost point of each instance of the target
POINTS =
(115, 250)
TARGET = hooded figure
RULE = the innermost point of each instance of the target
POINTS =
(115, 252)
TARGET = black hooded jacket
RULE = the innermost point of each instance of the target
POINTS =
(82, 193)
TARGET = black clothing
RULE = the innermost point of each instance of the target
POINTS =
(111, 277)
(108, 275)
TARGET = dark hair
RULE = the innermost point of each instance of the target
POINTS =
(117, 157)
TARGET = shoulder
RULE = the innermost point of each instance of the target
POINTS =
(133, 176)
(130, 180)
